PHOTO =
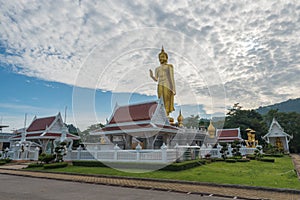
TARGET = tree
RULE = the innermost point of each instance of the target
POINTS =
(85, 135)
(192, 121)
(75, 131)
(237, 117)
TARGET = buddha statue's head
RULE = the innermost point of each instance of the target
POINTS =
(163, 56)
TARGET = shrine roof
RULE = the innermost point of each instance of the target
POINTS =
(136, 112)
(40, 124)
(135, 128)
(229, 134)
(46, 136)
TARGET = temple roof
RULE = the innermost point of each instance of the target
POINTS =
(229, 135)
(40, 124)
(45, 136)
(40, 128)
(130, 113)
(142, 117)
(276, 130)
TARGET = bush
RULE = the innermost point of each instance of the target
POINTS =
(267, 159)
(33, 165)
(2, 162)
(184, 165)
(46, 158)
(243, 160)
(55, 165)
(88, 163)
(273, 155)
(230, 160)
(171, 167)
(251, 157)
(6, 160)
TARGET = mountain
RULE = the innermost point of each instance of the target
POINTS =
(291, 105)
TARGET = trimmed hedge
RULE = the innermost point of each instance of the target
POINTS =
(172, 167)
(56, 165)
(6, 160)
(230, 160)
(250, 156)
(183, 165)
(33, 165)
(88, 163)
(267, 159)
(2, 162)
(243, 160)
(274, 155)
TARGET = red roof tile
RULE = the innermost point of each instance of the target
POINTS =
(128, 127)
(228, 133)
(138, 112)
(40, 124)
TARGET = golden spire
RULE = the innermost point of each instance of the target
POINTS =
(180, 119)
(162, 52)
(211, 130)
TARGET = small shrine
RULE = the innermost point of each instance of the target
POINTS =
(43, 133)
(251, 142)
(277, 137)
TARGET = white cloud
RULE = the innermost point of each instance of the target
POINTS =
(251, 48)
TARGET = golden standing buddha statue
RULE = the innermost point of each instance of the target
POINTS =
(164, 75)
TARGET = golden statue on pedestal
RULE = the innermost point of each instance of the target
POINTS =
(279, 144)
(251, 142)
(164, 75)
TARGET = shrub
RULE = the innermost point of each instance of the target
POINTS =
(2, 162)
(6, 160)
(46, 158)
(243, 160)
(172, 167)
(184, 165)
(267, 159)
(88, 163)
(230, 160)
(55, 165)
(33, 165)
(273, 155)
(251, 157)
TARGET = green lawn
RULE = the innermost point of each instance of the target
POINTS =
(280, 174)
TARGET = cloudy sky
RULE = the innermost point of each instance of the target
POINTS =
(88, 55)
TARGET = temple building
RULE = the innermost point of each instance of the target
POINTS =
(42, 132)
(144, 123)
(277, 137)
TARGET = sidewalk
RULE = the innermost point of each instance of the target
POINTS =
(296, 161)
(238, 192)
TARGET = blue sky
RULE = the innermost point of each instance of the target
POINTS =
(223, 52)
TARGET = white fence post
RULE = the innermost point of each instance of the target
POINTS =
(164, 152)
(116, 148)
(36, 153)
(229, 150)
(138, 154)
(78, 152)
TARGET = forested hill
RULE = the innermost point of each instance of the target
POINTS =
(291, 105)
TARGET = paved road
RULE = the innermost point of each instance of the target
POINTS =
(23, 188)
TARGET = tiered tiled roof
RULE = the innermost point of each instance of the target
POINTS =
(133, 113)
(40, 124)
(229, 135)
(135, 118)
(38, 129)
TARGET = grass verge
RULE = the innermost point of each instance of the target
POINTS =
(279, 174)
